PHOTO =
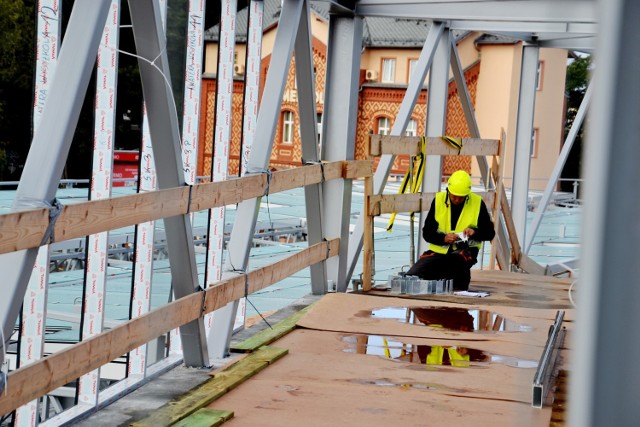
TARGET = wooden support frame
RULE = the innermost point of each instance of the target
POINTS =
(436, 146)
(38, 378)
(26, 229)
(418, 202)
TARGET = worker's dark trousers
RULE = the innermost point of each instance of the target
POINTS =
(454, 265)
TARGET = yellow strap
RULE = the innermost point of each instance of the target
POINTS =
(413, 183)
(387, 352)
(454, 142)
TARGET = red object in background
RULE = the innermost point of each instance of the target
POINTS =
(125, 165)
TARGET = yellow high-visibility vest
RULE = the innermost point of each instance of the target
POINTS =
(468, 218)
(456, 359)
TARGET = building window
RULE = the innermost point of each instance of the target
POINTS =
(319, 126)
(412, 66)
(412, 128)
(384, 126)
(534, 143)
(287, 127)
(539, 72)
(388, 70)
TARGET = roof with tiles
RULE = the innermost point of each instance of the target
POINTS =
(377, 31)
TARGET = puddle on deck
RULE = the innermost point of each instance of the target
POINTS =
(451, 318)
(443, 355)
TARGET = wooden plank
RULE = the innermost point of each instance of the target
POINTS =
(25, 229)
(418, 202)
(391, 144)
(40, 377)
(86, 218)
(368, 241)
(497, 167)
(205, 417)
(56, 370)
(357, 169)
(22, 230)
(221, 293)
(268, 336)
(213, 388)
(516, 250)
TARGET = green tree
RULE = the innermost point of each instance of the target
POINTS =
(578, 73)
(16, 81)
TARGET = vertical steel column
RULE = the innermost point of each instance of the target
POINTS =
(339, 131)
(165, 137)
(34, 313)
(467, 107)
(437, 97)
(51, 142)
(97, 247)
(416, 84)
(557, 169)
(251, 80)
(605, 390)
(142, 275)
(244, 226)
(309, 136)
(219, 172)
(191, 104)
(524, 132)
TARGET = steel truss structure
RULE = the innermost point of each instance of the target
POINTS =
(602, 393)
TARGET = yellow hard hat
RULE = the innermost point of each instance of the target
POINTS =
(459, 183)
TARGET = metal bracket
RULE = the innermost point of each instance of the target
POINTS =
(542, 379)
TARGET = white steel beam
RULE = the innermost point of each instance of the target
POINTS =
(416, 84)
(305, 78)
(165, 137)
(437, 98)
(144, 241)
(603, 392)
(557, 169)
(34, 311)
(223, 321)
(251, 80)
(244, 226)
(339, 131)
(524, 30)
(524, 132)
(101, 176)
(51, 142)
(564, 11)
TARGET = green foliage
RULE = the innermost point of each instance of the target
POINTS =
(578, 73)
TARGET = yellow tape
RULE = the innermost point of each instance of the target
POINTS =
(412, 183)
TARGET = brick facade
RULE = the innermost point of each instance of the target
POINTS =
(374, 102)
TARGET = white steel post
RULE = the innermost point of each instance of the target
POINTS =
(220, 170)
(247, 212)
(251, 80)
(524, 132)
(191, 110)
(416, 82)
(144, 242)
(51, 142)
(34, 313)
(436, 118)
(165, 136)
(101, 176)
(604, 390)
(339, 132)
(305, 79)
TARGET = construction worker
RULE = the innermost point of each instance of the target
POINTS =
(457, 223)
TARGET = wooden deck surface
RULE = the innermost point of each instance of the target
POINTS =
(337, 373)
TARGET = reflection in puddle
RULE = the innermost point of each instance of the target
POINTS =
(452, 318)
(444, 355)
